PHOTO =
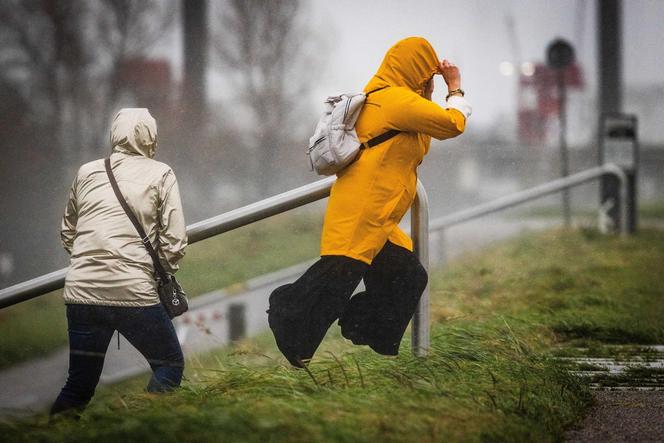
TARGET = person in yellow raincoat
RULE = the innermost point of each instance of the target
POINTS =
(361, 238)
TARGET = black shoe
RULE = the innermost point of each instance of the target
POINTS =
(357, 337)
(299, 326)
(361, 334)
(385, 347)
(363, 328)
(352, 330)
(284, 339)
(286, 328)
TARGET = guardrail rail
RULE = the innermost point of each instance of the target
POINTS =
(252, 213)
(420, 228)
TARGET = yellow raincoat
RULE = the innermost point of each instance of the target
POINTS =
(371, 195)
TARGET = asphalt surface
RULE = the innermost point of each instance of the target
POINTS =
(622, 416)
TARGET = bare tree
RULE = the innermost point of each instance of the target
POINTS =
(265, 50)
(60, 63)
(65, 56)
(128, 28)
(44, 55)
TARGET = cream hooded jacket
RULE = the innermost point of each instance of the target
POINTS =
(109, 264)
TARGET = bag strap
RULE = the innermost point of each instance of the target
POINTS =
(376, 90)
(382, 138)
(161, 272)
(377, 140)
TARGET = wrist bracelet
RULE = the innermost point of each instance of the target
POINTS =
(457, 91)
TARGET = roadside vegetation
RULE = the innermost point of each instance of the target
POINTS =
(648, 211)
(500, 318)
(652, 210)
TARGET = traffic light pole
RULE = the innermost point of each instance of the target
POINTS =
(559, 56)
(564, 155)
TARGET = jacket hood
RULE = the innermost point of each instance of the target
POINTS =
(134, 132)
(410, 63)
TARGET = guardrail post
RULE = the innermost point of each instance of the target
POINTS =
(620, 201)
(237, 324)
(419, 219)
(618, 144)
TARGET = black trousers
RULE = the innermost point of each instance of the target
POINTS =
(301, 312)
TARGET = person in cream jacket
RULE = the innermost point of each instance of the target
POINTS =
(110, 285)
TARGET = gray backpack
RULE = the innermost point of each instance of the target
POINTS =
(334, 144)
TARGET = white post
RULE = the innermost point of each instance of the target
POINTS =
(419, 220)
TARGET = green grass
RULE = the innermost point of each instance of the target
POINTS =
(482, 382)
(32, 329)
(650, 210)
(499, 318)
(35, 328)
(554, 211)
(583, 286)
(251, 251)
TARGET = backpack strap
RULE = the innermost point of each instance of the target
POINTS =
(376, 90)
(377, 140)
(382, 137)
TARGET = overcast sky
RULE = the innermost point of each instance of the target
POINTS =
(474, 34)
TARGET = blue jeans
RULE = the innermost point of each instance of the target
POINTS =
(91, 328)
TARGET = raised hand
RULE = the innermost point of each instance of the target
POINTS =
(450, 73)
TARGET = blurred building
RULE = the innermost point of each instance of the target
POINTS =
(647, 102)
(147, 83)
(538, 100)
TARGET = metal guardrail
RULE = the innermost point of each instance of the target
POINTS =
(419, 228)
(254, 212)
(442, 223)
(303, 195)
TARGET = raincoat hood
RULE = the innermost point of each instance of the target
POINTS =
(134, 132)
(410, 63)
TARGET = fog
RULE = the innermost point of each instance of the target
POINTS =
(239, 153)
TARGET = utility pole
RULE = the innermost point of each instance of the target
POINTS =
(609, 38)
(560, 55)
(618, 139)
(195, 33)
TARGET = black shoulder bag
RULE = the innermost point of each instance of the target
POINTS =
(170, 292)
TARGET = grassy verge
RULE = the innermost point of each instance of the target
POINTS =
(582, 286)
(35, 328)
(499, 316)
(32, 329)
(652, 210)
(251, 251)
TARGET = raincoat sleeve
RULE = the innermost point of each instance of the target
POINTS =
(412, 113)
(172, 234)
(68, 227)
